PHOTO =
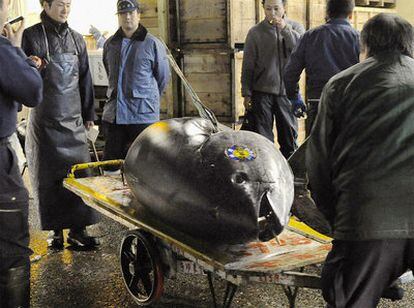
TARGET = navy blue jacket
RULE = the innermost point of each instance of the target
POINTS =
(20, 83)
(323, 52)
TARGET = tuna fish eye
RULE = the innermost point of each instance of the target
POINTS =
(240, 178)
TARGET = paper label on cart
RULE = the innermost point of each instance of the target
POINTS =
(189, 267)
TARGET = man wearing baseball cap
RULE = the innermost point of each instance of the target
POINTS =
(138, 72)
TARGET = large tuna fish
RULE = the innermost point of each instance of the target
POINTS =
(226, 187)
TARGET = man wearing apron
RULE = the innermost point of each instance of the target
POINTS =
(56, 133)
(19, 83)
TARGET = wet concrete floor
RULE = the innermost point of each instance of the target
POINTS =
(71, 278)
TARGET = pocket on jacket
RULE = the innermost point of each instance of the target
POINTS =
(144, 101)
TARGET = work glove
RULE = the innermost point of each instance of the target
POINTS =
(95, 32)
(298, 107)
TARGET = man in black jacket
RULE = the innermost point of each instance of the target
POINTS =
(360, 162)
(56, 136)
(19, 83)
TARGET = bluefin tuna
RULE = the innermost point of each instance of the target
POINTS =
(226, 187)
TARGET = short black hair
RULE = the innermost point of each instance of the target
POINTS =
(386, 33)
(283, 1)
(48, 1)
(339, 8)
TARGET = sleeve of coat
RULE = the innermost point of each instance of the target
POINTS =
(85, 85)
(291, 33)
(19, 77)
(318, 159)
(294, 68)
(161, 68)
(249, 60)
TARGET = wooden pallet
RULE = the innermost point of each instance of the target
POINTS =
(377, 3)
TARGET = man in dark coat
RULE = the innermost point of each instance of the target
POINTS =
(360, 162)
(19, 83)
(56, 136)
(323, 52)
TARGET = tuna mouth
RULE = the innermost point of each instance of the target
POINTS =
(269, 223)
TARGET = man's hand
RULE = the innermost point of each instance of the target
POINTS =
(298, 107)
(279, 22)
(247, 102)
(88, 124)
(40, 63)
(14, 36)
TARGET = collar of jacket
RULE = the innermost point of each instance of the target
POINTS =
(139, 34)
(339, 21)
(53, 24)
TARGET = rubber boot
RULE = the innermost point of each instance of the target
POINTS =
(15, 287)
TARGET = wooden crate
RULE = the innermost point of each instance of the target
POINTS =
(316, 13)
(362, 14)
(215, 21)
(215, 77)
(377, 3)
(158, 17)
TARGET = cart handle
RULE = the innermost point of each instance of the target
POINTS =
(77, 167)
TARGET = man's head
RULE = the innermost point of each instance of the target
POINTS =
(387, 33)
(339, 8)
(129, 13)
(274, 8)
(58, 10)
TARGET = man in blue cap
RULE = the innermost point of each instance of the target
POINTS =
(138, 72)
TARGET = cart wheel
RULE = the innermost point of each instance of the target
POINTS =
(141, 268)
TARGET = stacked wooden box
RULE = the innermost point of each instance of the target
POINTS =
(208, 34)
(317, 13)
(377, 3)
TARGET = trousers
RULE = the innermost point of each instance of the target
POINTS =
(356, 273)
(268, 108)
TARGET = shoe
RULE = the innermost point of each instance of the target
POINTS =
(55, 239)
(80, 237)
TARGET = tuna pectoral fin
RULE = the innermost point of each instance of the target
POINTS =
(269, 224)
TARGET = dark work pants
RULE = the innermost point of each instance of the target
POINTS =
(356, 273)
(311, 113)
(14, 226)
(266, 109)
(119, 138)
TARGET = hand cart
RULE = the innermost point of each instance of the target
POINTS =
(151, 251)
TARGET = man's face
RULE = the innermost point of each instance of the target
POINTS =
(59, 10)
(129, 21)
(274, 9)
(4, 13)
